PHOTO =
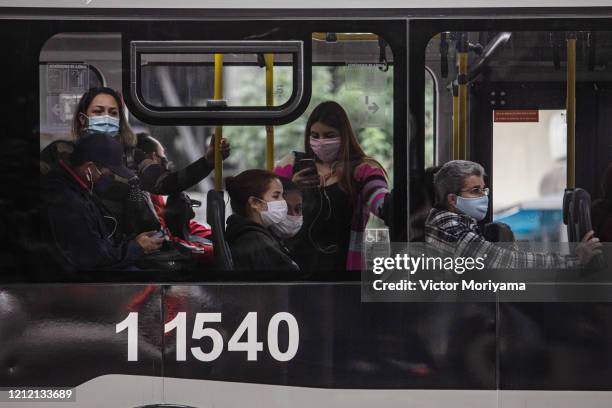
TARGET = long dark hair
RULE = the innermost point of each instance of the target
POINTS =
(126, 137)
(249, 183)
(351, 154)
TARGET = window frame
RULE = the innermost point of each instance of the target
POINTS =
(220, 115)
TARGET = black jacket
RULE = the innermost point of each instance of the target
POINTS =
(156, 179)
(255, 248)
(79, 228)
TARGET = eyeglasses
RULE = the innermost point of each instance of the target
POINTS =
(476, 191)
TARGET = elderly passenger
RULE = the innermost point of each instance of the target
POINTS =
(462, 199)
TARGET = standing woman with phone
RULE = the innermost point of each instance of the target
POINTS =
(341, 187)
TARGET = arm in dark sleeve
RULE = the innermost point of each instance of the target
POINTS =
(155, 179)
(80, 236)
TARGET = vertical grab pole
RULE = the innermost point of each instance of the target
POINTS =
(269, 59)
(455, 90)
(463, 101)
(571, 111)
(218, 95)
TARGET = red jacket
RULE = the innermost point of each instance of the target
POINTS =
(201, 247)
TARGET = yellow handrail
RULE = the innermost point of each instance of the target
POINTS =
(571, 113)
(269, 58)
(455, 151)
(218, 95)
(346, 36)
(463, 105)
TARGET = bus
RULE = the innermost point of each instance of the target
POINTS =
(523, 88)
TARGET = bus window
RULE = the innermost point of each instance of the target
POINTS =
(503, 103)
(187, 80)
(356, 71)
(198, 81)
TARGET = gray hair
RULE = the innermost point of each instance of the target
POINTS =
(450, 178)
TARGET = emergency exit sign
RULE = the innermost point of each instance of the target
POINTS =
(516, 115)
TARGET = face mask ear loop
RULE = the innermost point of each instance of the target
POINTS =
(263, 201)
(85, 124)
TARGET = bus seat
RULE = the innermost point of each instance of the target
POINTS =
(577, 217)
(215, 216)
(577, 213)
(498, 232)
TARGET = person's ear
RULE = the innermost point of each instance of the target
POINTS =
(254, 203)
(452, 199)
(83, 119)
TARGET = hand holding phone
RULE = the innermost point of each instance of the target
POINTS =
(308, 175)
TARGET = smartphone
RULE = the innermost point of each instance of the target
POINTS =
(307, 163)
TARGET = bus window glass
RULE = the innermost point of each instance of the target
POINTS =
(187, 80)
(529, 172)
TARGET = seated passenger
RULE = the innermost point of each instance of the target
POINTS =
(292, 223)
(256, 198)
(175, 214)
(82, 229)
(342, 186)
(462, 201)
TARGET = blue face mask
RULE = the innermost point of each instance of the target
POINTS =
(103, 125)
(474, 207)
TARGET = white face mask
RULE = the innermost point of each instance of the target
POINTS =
(276, 212)
(289, 226)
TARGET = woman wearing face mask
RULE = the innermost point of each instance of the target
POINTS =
(341, 187)
(256, 197)
(101, 111)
